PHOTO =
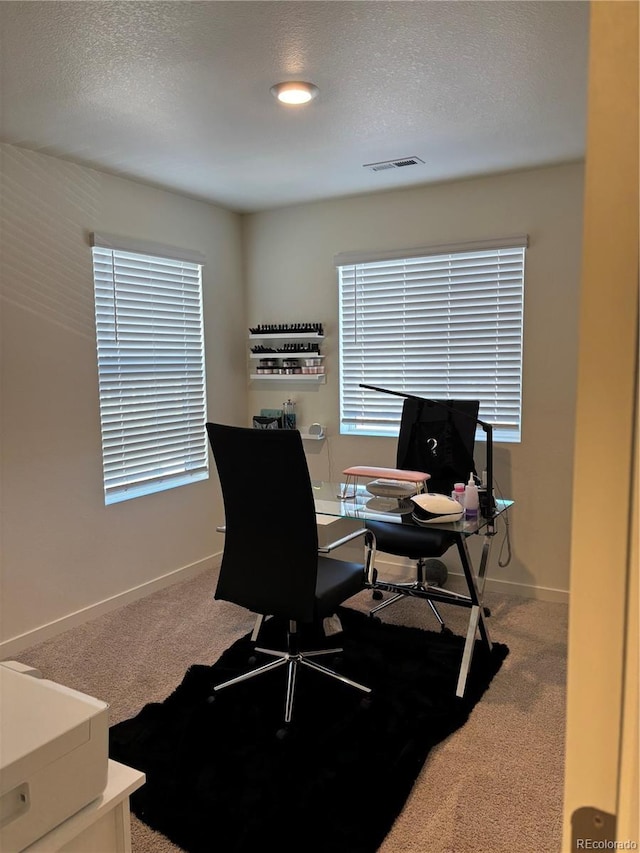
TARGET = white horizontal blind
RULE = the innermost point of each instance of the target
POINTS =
(442, 326)
(151, 372)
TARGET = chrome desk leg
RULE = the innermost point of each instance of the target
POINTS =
(476, 618)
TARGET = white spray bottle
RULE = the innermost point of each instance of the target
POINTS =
(471, 499)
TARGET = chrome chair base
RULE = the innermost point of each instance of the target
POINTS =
(411, 589)
(420, 587)
(292, 660)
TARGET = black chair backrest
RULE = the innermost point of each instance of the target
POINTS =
(270, 558)
(437, 440)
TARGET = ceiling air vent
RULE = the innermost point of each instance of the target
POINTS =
(393, 164)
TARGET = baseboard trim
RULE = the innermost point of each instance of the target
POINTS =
(15, 645)
(386, 569)
(541, 593)
(456, 582)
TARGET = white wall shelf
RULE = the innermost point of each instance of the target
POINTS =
(288, 351)
(318, 378)
(283, 336)
(285, 355)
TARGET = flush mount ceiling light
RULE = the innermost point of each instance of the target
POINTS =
(294, 92)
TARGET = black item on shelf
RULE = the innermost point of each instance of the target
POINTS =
(287, 329)
(289, 349)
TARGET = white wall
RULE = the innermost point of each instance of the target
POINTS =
(62, 550)
(291, 278)
(64, 556)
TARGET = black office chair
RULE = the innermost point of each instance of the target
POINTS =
(271, 564)
(440, 442)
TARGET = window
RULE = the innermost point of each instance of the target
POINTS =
(443, 323)
(151, 371)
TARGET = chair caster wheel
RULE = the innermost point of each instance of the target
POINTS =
(486, 611)
(282, 733)
(365, 703)
(376, 595)
(445, 630)
(252, 660)
(212, 699)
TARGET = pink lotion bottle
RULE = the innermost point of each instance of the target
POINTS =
(458, 493)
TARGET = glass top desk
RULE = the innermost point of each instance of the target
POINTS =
(353, 501)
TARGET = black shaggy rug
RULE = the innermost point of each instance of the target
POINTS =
(218, 778)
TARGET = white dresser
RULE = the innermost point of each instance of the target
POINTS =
(58, 789)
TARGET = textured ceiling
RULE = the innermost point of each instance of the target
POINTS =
(177, 93)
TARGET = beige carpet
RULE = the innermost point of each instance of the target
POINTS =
(495, 786)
